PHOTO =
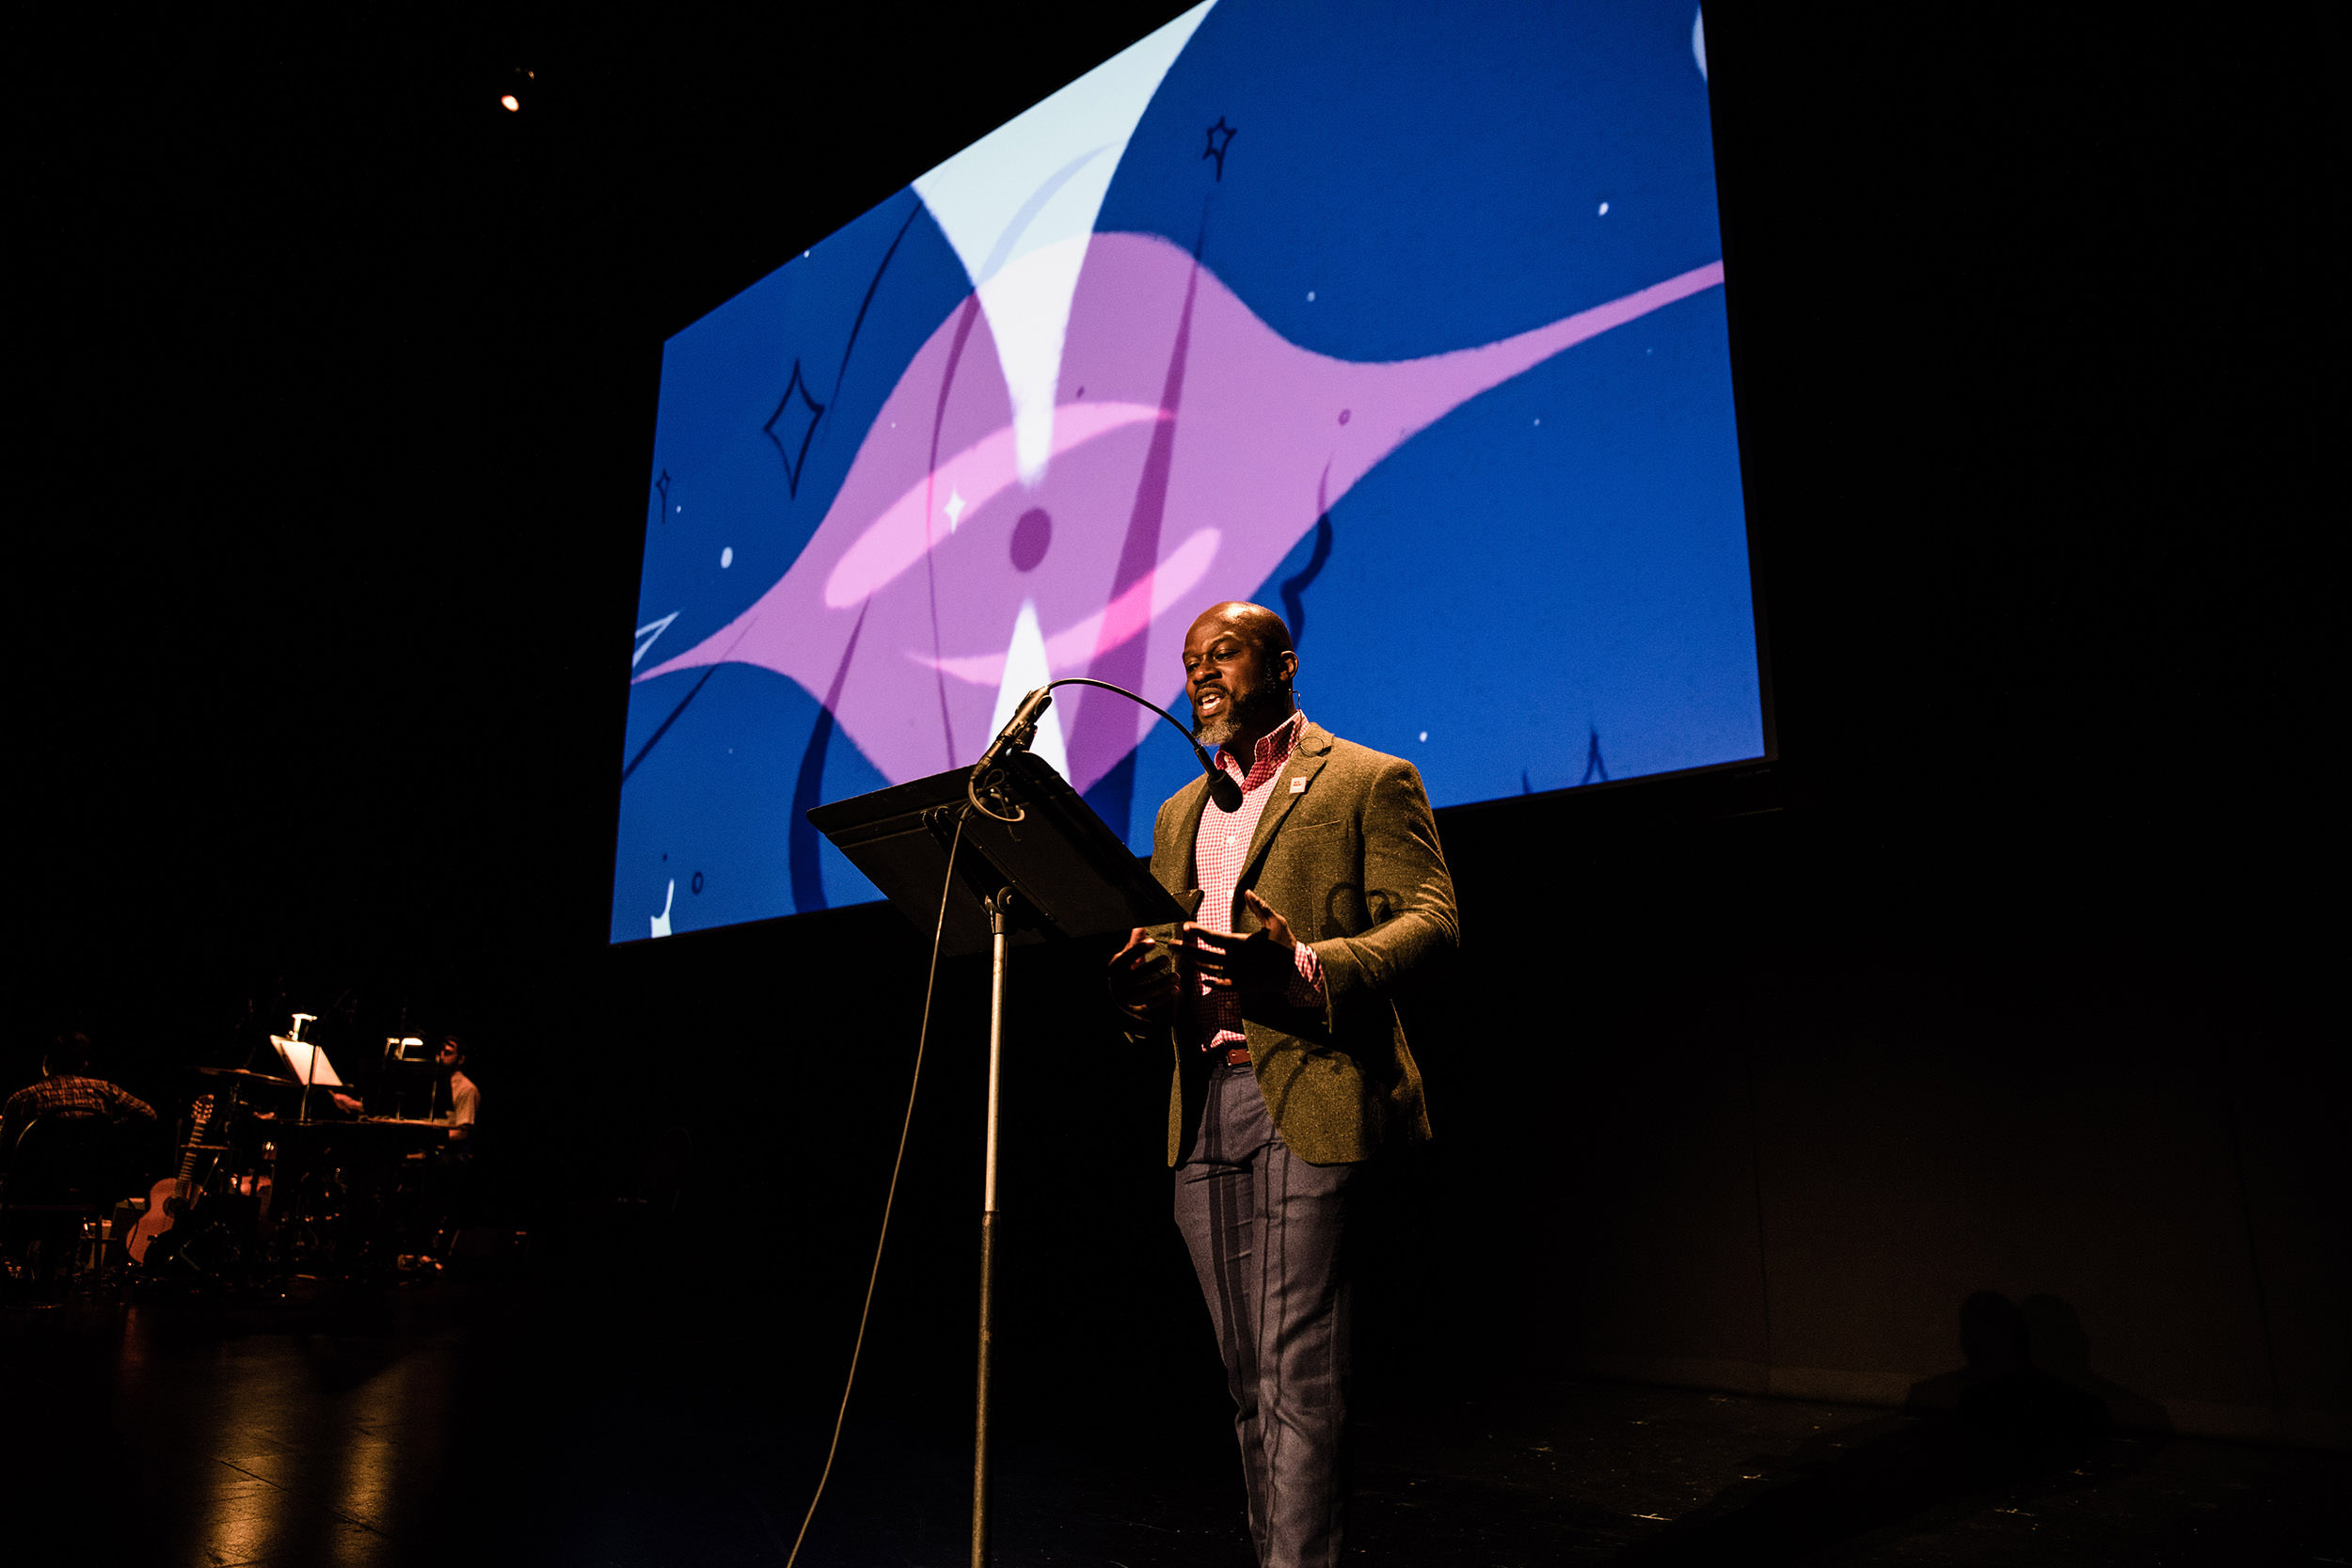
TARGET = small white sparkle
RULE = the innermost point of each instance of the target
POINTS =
(727, 558)
(1604, 210)
(954, 508)
(1310, 296)
(1424, 734)
(1539, 422)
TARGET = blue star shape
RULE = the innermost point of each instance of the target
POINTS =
(1220, 137)
(795, 453)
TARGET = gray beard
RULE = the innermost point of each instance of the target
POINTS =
(1242, 710)
(1214, 732)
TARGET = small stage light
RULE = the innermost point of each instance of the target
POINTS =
(510, 101)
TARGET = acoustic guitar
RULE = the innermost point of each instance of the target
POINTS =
(170, 1198)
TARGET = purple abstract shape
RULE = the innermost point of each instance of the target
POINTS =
(1032, 536)
(1207, 448)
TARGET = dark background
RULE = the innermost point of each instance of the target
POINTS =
(340, 384)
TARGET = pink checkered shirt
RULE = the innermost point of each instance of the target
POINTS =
(1213, 1018)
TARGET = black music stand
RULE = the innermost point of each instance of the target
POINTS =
(1059, 871)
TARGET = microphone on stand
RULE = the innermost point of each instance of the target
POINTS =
(1021, 728)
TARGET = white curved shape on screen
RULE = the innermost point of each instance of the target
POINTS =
(1023, 669)
(1017, 192)
(647, 635)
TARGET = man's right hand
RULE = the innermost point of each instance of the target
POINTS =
(1143, 978)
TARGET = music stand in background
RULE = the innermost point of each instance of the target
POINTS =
(1057, 871)
(407, 1062)
(308, 1065)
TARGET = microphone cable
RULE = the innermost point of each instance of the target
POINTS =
(922, 1038)
(1017, 731)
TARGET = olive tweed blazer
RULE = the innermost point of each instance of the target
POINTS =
(1352, 861)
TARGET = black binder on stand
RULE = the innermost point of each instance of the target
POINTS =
(1070, 873)
(1055, 869)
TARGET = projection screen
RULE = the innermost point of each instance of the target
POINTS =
(1405, 320)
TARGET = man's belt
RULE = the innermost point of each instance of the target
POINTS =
(1231, 1055)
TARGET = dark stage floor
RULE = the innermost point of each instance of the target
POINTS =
(516, 1423)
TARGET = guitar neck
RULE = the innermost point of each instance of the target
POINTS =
(202, 1119)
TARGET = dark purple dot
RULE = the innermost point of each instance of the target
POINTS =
(1031, 536)
(1078, 395)
(1343, 415)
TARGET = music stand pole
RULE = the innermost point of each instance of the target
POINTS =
(999, 927)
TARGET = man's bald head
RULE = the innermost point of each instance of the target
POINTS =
(1264, 630)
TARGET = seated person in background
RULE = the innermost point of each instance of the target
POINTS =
(455, 1100)
(464, 1100)
(68, 1091)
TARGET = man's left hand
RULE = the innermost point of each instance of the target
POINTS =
(1265, 960)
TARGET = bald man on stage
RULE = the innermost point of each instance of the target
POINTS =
(1323, 898)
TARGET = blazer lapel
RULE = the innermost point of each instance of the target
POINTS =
(1306, 759)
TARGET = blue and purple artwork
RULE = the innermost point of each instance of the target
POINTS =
(1405, 320)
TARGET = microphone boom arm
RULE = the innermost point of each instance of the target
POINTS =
(1221, 786)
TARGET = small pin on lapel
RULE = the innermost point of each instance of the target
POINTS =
(1299, 786)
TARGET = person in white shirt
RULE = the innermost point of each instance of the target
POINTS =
(456, 1102)
(464, 1100)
